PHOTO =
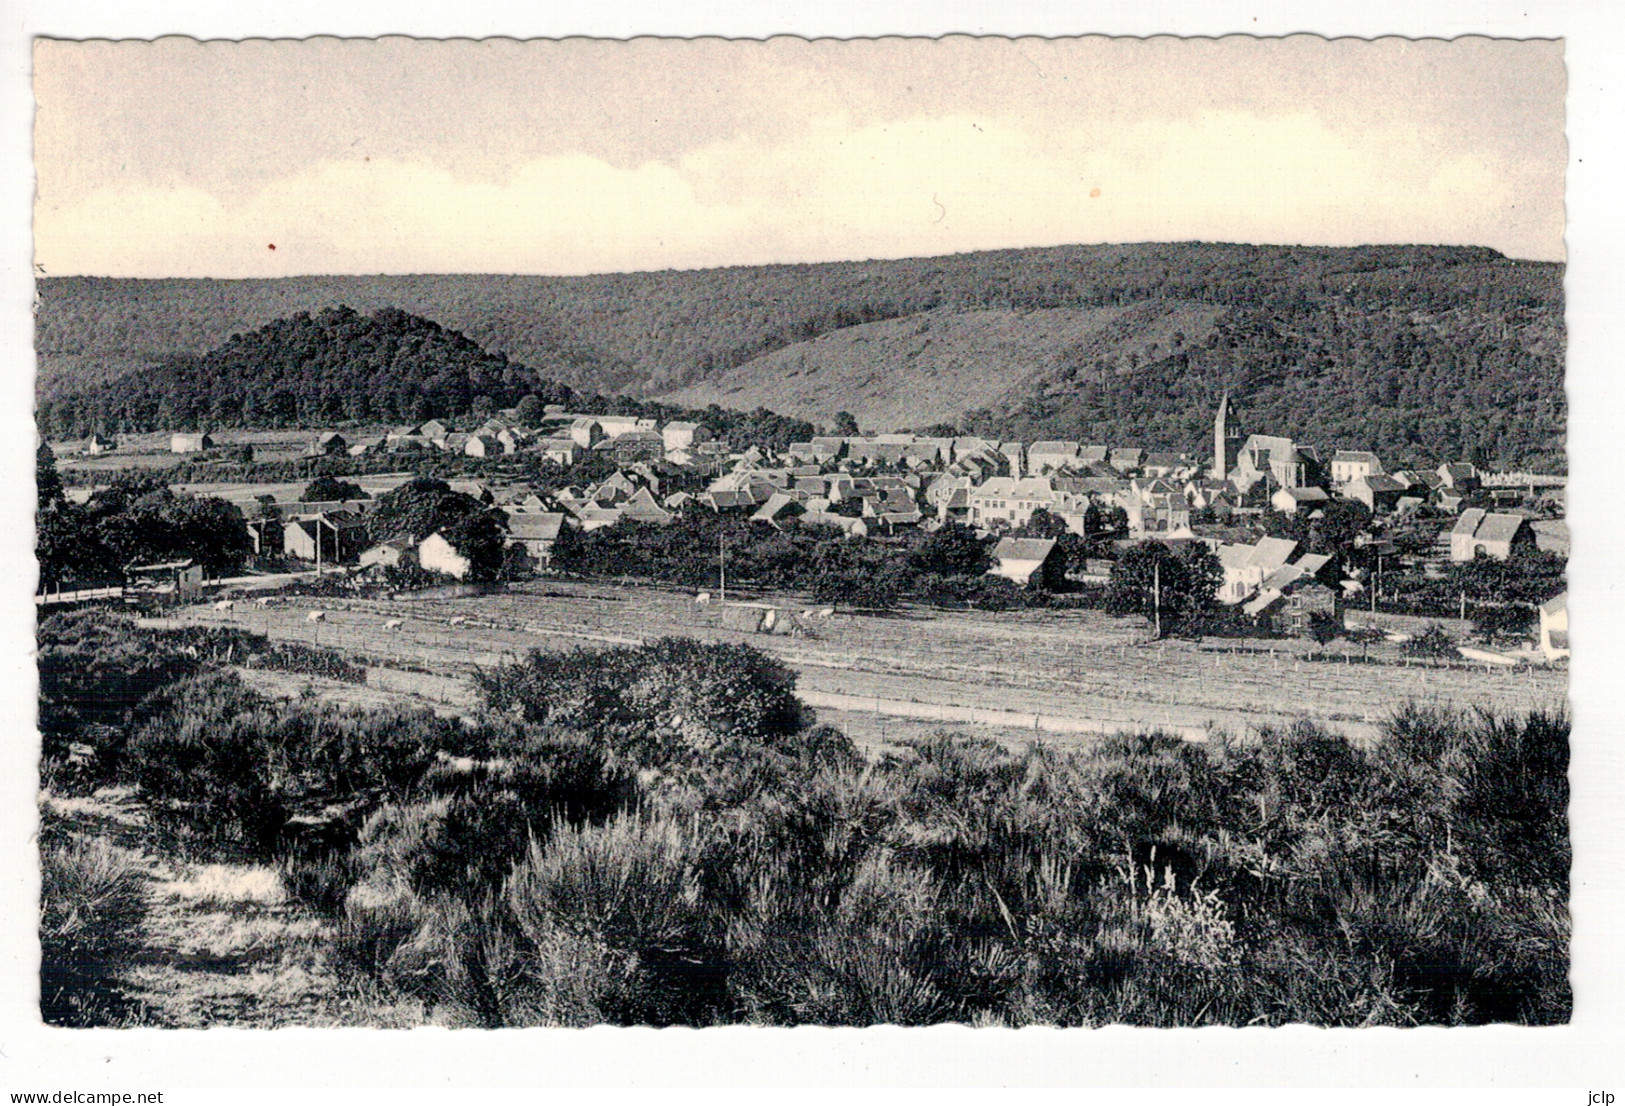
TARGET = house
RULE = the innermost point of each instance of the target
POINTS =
(593, 517)
(535, 532)
(639, 445)
(1378, 492)
(99, 443)
(181, 578)
(1126, 459)
(388, 554)
(329, 443)
(1488, 533)
(586, 432)
(1291, 500)
(1163, 464)
(1246, 566)
(1354, 464)
(852, 527)
(1012, 501)
(642, 507)
(1015, 456)
(563, 452)
(1292, 602)
(365, 447)
(190, 443)
(483, 445)
(1028, 561)
(437, 554)
(1554, 627)
(473, 489)
(684, 435)
(1458, 476)
(434, 430)
(780, 505)
(1045, 457)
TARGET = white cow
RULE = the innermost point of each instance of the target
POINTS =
(459, 620)
(393, 624)
(316, 616)
(224, 605)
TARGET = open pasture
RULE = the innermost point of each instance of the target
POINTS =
(1076, 668)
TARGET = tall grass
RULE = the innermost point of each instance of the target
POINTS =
(92, 903)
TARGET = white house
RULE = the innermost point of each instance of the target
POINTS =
(436, 554)
(1554, 627)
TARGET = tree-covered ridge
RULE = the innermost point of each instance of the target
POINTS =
(1416, 386)
(1380, 346)
(337, 365)
(307, 370)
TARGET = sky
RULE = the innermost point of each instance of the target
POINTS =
(398, 155)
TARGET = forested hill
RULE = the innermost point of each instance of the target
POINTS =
(1438, 350)
(307, 370)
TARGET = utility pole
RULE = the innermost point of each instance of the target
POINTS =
(722, 569)
(1156, 596)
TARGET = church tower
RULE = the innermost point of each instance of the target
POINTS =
(1226, 438)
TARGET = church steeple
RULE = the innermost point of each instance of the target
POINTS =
(1226, 433)
(1221, 437)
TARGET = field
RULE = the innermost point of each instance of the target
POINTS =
(1057, 675)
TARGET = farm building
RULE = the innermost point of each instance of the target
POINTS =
(1554, 627)
(436, 554)
(334, 537)
(190, 443)
(1027, 561)
(1488, 533)
(177, 577)
(329, 443)
(99, 443)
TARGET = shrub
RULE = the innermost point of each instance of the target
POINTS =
(92, 903)
(1433, 641)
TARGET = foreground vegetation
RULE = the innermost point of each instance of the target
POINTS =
(658, 835)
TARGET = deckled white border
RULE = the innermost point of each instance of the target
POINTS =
(1584, 1053)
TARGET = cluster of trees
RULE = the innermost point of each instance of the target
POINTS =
(660, 835)
(946, 566)
(1410, 350)
(135, 518)
(425, 506)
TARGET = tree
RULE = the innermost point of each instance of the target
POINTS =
(845, 425)
(330, 489)
(47, 481)
(529, 410)
(1340, 522)
(418, 508)
(1175, 589)
(951, 550)
(854, 573)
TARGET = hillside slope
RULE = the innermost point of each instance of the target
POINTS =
(1416, 351)
(938, 365)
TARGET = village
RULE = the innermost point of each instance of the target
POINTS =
(882, 486)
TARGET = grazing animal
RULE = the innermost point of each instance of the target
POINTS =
(316, 616)
(393, 624)
(263, 601)
(703, 597)
(224, 605)
(459, 620)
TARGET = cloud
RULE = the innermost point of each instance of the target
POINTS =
(832, 190)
